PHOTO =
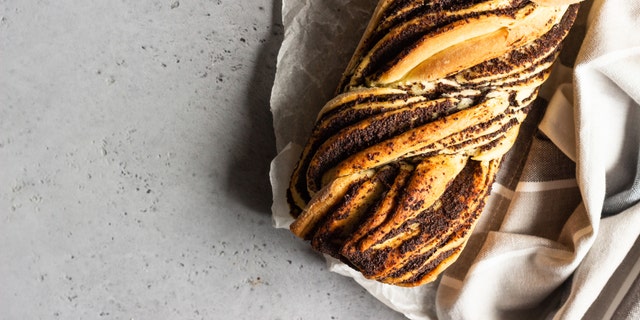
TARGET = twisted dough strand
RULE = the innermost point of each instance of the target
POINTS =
(399, 164)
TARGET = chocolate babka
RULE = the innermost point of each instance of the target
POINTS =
(398, 166)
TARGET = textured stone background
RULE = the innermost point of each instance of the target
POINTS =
(135, 140)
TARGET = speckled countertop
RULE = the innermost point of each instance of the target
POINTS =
(135, 140)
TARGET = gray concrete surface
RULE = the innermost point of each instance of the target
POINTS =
(135, 140)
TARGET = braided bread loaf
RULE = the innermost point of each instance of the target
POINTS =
(399, 164)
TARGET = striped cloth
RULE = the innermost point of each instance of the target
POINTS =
(558, 238)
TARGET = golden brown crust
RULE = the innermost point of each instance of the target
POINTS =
(400, 162)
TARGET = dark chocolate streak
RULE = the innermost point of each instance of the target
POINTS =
(331, 241)
(430, 18)
(542, 50)
(427, 21)
(424, 269)
(320, 238)
(434, 222)
(336, 119)
(364, 100)
(382, 127)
